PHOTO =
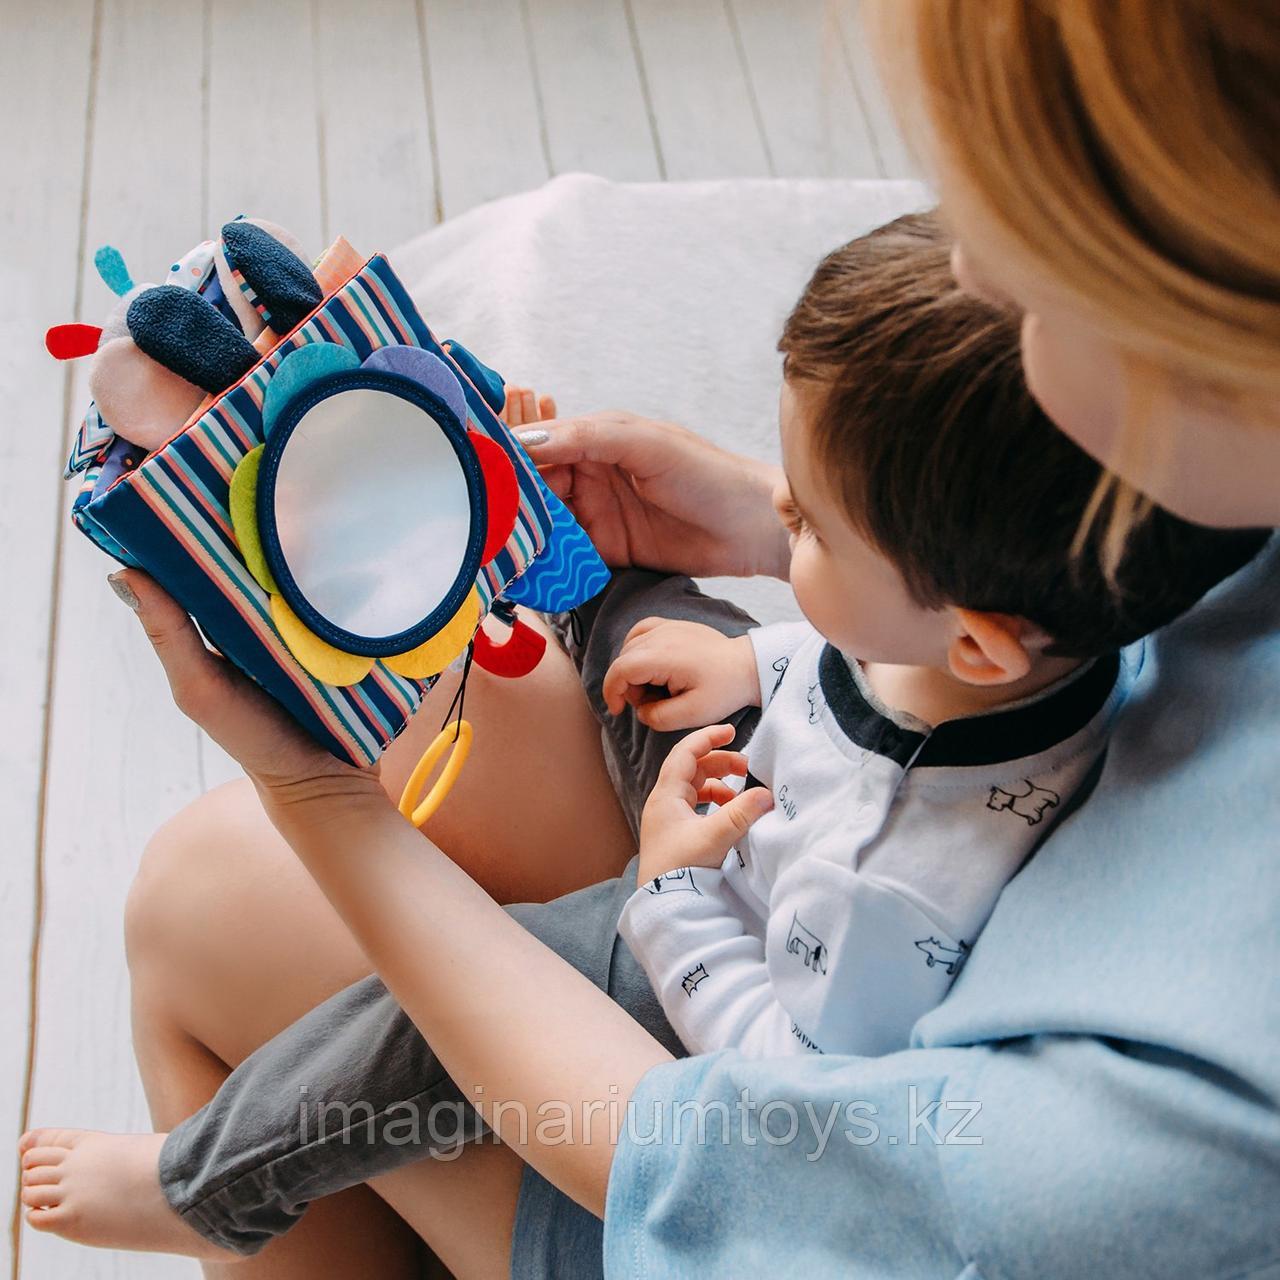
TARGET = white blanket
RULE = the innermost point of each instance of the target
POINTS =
(666, 299)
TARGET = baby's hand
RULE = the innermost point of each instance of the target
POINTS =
(707, 675)
(524, 407)
(672, 833)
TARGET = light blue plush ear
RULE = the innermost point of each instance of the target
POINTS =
(569, 570)
(115, 275)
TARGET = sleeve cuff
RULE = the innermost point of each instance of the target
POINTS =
(773, 648)
(687, 891)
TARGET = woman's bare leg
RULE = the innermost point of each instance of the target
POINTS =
(207, 992)
(464, 1208)
(533, 814)
(201, 1005)
(230, 942)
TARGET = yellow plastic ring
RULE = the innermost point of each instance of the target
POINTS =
(448, 775)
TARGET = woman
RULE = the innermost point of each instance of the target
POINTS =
(1100, 1092)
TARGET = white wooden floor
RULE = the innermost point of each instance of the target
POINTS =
(145, 123)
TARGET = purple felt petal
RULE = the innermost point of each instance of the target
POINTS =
(423, 367)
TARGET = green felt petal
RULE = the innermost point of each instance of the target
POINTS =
(244, 518)
(315, 360)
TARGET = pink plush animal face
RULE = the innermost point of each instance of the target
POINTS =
(163, 347)
(130, 388)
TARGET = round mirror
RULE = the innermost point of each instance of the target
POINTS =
(372, 511)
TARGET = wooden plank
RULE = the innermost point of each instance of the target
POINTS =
(123, 759)
(702, 102)
(809, 111)
(262, 118)
(593, 98)
(377, 130)
(895, 160)
(45, 76)
(488, 127)
(255, 166)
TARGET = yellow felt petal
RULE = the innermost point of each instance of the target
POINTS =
(315, 656)
(431, 657)
(244, 518)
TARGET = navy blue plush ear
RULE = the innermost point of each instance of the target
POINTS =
(488, 382)
(284, 289)
(180, 330)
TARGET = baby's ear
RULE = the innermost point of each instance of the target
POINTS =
(993, 648)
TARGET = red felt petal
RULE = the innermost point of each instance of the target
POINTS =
(516, 656)
(67, 341)
(502, 489)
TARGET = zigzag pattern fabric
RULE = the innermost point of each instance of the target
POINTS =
(94, 435)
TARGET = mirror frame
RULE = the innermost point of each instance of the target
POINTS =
(440, 417)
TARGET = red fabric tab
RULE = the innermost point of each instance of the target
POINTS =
(68, 341)
(516, 656)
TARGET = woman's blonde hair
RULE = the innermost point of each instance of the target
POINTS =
(1128, 149)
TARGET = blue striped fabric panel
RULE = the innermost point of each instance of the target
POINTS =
(170, 517)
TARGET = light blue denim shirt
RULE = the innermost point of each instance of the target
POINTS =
(1100, 1092)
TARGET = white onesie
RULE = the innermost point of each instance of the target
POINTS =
(847, 910)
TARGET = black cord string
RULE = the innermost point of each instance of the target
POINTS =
(575, 628)
(460, 694)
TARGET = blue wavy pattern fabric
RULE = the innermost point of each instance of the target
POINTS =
(567, 573)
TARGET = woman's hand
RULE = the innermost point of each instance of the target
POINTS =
(279, 757)
(657, 496)
(672, 833)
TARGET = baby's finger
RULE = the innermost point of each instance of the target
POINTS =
(679, 768)
(630, 672)
(639, 695)
(716, 792)
(665, 715)
(682, 761)
(528, 404)
(708, 738)
(546, 408)
(721, 764)
(673, 787)
(733, 820)
(513, 409)
(643, 627)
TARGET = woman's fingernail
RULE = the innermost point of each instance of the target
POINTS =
(123, 590)
(533, 436)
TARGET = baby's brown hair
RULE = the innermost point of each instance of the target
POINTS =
(938, 453)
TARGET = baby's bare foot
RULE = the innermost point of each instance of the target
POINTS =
(103, 1189)
(524, 407)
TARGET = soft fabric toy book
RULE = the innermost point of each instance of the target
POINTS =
(328, 490)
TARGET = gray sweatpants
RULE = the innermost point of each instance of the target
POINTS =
(352, 1091)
